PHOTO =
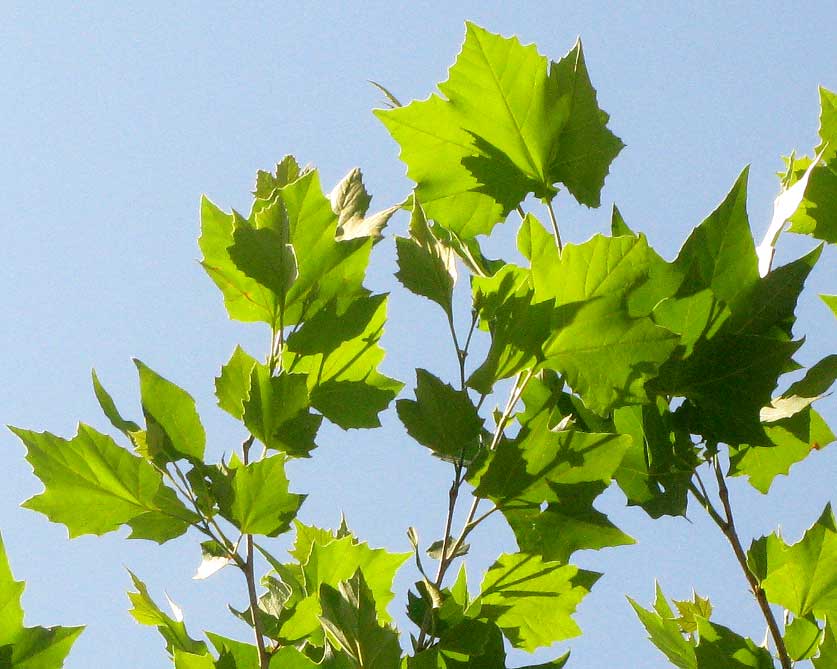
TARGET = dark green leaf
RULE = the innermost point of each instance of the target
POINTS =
(719, 646)
(349, 616)
(441, 418)
(232, 387)
(277, 413)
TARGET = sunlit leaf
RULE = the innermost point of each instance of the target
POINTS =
(719, 646)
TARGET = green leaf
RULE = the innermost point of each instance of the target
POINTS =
(325, 559)
(110, 410)
(518, 327)
(802, 638)
(618, 227)
(40, 647)
(338, 349)
(691, 610)
(510, 125)
(719, 646)
(817, 214)
(533, 600)
(92, 486)
(664, 632)
(287, 171)
(277, 413)
(146, 612)
(802, 577)
(173, 425)
(585, 147)
(184, 660)
(350, 201)
(255, 497)
(830, 302)
(791, 439)
(426, 267)
(441, 418)
(232, 387)
(237, 654)
(720, 253)
(349, 617)
(11, 611)
(828, 647)
(605, 355)
(658, 465)
(816, 383)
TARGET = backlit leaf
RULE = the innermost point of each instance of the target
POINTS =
(232, 387)
(719, 646)
(664, 632)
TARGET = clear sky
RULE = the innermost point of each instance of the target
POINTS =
(115, 119)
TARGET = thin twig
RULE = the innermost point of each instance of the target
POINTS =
(554, 222)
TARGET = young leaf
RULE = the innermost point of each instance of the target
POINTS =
(531, 600)
(264, 255)
(255, 497)
(349, 617)
(277, 412)
(441, 418)
(350, 201)
(287, 170)
(92, 486)
(664, 632)
(173, 425)
(173, 630)
(426, 267)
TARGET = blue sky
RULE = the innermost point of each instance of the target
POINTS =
(116, 119)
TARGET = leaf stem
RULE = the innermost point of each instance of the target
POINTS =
(726, 524)
(554, 222)
(249, 575)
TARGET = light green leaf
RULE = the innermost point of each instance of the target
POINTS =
(618, 227)
(426, 267)
(338, 349)
(690, 610)
(350, 201)
(802, 577)
(173, 426)
(720, 253)
(441, 418)
(287, 170)
(255, 497)
(238, 655)
(11, 611)
(828, 647)
(277, 413)
(232, 387)
(830, 302)
(146, 612)
(110, 410)
(92, 486)
(605, 355)
(510, 126)
(41, 647)
(349, 617)
(792, 440)
(533, 600)
(664, 632)
(184, 660)
(802, 638)
(719, 646)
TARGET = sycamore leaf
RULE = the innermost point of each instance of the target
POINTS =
(214, 557)
(816, 383)
(255, 497)
(338, 350)
(802, 638)
(664, 632)
(349, 617)
(605, 355)
(441, 418)
(174, 429)
(830, 302)
(11, 611)
(40, 647)
(277, 413)
(828, 646)
(146, 612)
(232, 387)
(184, 660)
(690, 610)
(618, 227)
(817, 214)
(287, 170)
(518, 327)
(533, 600)
(109, 408)
(350, 201)
(802, 577)
(265, 255)
(510, 124)
(426, 266)
(719, 646)
(92, 486)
